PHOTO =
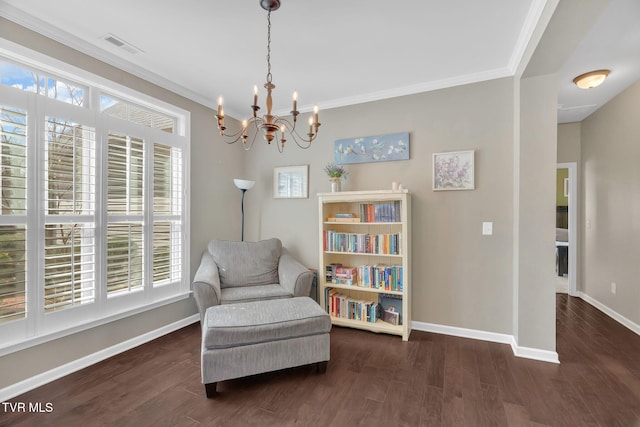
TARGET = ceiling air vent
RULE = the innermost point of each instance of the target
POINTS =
(118, 42)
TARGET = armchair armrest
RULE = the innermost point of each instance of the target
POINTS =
(293, 276)
(206, 284)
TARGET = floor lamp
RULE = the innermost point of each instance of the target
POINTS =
(243, 185)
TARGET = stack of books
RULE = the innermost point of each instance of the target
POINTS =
(343, 217)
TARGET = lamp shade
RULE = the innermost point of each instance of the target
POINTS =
(244, 184)
(591, 79)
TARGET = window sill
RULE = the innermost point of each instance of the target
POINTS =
(15, 346)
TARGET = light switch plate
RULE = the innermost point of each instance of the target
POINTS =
(487, 228)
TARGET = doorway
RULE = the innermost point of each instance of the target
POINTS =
(566, 219)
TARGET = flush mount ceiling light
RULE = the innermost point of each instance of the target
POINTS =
(273, 127)
(591, 79)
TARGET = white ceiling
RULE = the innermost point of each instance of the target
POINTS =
(613, 43)
(334, 52)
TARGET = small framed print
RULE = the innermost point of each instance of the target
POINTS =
(291, 182)
(453, 170)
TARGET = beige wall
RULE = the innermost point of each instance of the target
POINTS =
(535, 204)
(211, 213)
(460, 278)
(569, 142)
(611, 208)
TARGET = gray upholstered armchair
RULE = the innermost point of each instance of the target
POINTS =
(232, 272)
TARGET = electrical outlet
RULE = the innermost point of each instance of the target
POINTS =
(613, 287)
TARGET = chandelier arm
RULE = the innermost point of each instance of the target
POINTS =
(248, 147)
(235, 137)
(279, 144)
(291, 128)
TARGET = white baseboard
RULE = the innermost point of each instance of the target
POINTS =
(68, 368)
(519, 351)
(610, 312)
(534, 353)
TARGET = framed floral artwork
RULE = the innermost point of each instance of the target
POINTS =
(453, 170)
(368, 149)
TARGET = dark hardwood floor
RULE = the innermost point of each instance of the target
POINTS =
(371, 380)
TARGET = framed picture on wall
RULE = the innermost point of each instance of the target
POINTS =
(291, 182)
(453, 170)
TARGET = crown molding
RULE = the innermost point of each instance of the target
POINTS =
(526, 33)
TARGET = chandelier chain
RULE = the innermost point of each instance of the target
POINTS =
(269, 77)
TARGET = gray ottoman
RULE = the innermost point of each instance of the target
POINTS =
(261, 336)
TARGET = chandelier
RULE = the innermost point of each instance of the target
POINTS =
(274, 128)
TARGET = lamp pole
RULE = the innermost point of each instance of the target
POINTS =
(244, 190)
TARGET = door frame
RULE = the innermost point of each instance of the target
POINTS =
(573, 224)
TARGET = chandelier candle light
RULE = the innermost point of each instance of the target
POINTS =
(273, 127)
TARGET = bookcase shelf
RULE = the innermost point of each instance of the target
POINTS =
(362, 289)
(361, 238)
(364, 254)
(380, 326)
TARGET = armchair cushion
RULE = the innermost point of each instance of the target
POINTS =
(246, 263)
(253, 293)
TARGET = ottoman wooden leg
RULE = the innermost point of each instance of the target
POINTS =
(322, 366)
(210, 389)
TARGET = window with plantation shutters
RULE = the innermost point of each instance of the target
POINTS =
(125, 207)
(69, 233)
(13, 190)
(167, 218)
(93, 202)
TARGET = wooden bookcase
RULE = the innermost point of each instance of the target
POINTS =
(351, 241)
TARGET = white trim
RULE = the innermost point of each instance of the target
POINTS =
(78, 364)
(37, 329)
(573, 225)
(41, 339)
(535, 353)
(526, 34)
(610, 312)
(402, 91)
(525, 352)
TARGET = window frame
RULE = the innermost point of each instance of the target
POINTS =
(37, 326)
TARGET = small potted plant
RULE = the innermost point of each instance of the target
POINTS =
(335, 173)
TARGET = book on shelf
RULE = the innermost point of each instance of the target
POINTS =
(339, 219)
(345, 282)
(346, 272)
(391, 304)
(391, 316)
(377, 276)
(346, 307)
(385, 277)
(330, 271)
(381, 212)
(380, 244)
(344, 215)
